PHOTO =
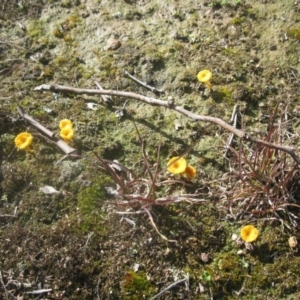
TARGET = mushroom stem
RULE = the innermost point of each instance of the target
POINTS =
(30, 150)
(208, 84)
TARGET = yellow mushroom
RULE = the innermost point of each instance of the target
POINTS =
(65, 122)
(204, 76)
(67, 133)
(176, 165)
(23, 141)
(249, 233)
(190, 172)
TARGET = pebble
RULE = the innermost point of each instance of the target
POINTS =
(234, 237)
(205, 257)
(293, 242)
(240, 252)
(113, 44)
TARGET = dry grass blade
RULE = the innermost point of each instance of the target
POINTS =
(146, 161)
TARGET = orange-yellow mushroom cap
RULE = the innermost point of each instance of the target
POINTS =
(178, 166)
(23, 140)
(249, 233)
(204, 76)
(65, 122)
(67, 133)
(190, 172)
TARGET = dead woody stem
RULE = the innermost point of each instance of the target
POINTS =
(171, 105)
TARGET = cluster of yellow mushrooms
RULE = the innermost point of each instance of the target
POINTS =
(178, 165)
(23, 140)
(66, 130)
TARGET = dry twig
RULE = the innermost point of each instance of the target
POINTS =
(171, 105)
(186, 280)
(145, 85)
(3, 285)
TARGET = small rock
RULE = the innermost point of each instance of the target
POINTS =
(205, 257)
(234, 237)
(201, 288)
(47, 189)
(240, 252)
(136, 267)
(177, 125)
(296, 109)
(293, 242)
(113, 44)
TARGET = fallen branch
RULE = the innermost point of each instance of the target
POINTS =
(171, 105)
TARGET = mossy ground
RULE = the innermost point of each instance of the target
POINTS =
(73, 242)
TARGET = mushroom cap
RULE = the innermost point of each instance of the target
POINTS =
(67, 133)
(190, 172)
(204, 76)
(65, 122)
(23, 140)
(249, 233)
(178, 166)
